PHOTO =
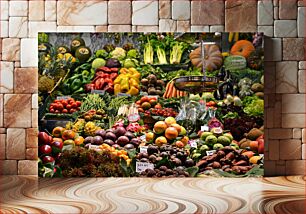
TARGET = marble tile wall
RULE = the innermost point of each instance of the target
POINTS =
(282, 20)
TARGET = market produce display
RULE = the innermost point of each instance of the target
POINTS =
(151, 105)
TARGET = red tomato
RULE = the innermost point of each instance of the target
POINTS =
(55, 106)
(72, 110)
(57, 111)
(56, 101)
(65, 111)
(64, 102)
(74, 105)
(68, 106)
(78, 103)
(52, 110)
(60, 107)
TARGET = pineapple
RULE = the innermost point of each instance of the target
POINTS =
(79, 126)
(90, 128)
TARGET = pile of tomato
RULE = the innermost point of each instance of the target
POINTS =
(65, 106)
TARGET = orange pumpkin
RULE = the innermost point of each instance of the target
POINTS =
(242, 48)
(212, 57)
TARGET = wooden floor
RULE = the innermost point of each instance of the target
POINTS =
(138, 195)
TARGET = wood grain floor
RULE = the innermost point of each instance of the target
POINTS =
(279, 195)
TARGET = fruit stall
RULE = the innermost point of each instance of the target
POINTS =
(151, 104)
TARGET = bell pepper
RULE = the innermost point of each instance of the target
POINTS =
(133, 82)
(133, 91)
(76, 84)
(119, 78)
(114, 70)
(124, 84)
(136, 75)
(100, 83)
(113, 76)
(133, 70)
(117, 89)
(124, 71)
(89, 87)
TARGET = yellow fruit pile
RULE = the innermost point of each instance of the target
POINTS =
(127, 81)
(115, 152)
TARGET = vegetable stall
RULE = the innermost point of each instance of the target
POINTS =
(151, 104)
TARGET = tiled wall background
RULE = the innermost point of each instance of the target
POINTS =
(282, 20)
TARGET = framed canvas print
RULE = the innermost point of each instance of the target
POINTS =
(151, 104)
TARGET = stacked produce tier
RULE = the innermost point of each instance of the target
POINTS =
(151, 104)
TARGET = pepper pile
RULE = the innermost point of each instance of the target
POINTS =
(74, 84)
(104, 80)
(127, 81)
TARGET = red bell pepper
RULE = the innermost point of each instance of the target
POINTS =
(114, 70)
(113, 76)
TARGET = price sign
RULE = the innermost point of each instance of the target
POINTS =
(102, 92)
(205, 128)
(63, 97)
(143, 137)
(133, 118)
(142, 166)
(143, 149)
(153, 96)
(95, 147)
(123, 95)
(235, 62)
(193, 144)
(210, 152)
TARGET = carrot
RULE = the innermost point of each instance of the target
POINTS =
(173, 91)
(166, 91)
(177, 93)
(182, 94)
(169, 91)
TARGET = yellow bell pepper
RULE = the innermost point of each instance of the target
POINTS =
(133, 91)
(133, 70)
(124, 71)
(136, 75)
(124, 84)
(117, 89)
(133, 82)
(119, 78)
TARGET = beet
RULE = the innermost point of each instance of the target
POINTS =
(120, 131)
(97, 140)
(135, 142)
(123, 140)
(109, 142)
(116, 146)
(129, 134)
(101, 133)
(111, 136)
(129, 146)
(88, 139)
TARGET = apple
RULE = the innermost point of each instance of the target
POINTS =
(58, 131)
(170, 120)
(57, 146)
(44, 138)
(68, 134)
(57, 139)
(45, 149)
(48, 159)
(183, 131)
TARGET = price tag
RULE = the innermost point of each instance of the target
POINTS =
(94, 147)
(205, 128)
(142, 166)
(101, 92)
(63, 97)
(153, 96)
(193, 144)
(210, 152)
(143, 149)
(143, 137)
(123, 95)
(133, 118)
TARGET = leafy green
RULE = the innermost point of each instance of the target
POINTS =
(231, 115)
(254, 75)
(192, 171)
(254, 106)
